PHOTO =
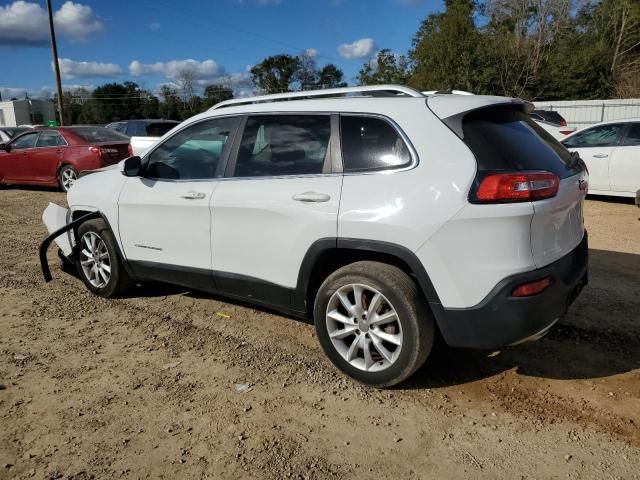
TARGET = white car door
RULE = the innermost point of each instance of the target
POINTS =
(281, 194)
(596, 146)
(624, 169)
(164, 215)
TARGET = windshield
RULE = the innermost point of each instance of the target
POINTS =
(99, 134)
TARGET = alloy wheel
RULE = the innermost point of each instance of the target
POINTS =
(95, 260)
(69, 176)
(364, 327)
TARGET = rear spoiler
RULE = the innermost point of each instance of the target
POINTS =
(451, 109)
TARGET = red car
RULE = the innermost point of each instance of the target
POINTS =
(55, 156)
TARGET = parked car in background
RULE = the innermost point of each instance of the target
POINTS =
(7, 133)
(559, 133)
(55, 156)
(139, 145)
(611, 151)
(143, 128)
(549, 116)
(143, 133)
(342, 210)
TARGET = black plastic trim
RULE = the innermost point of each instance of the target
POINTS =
(44, 264)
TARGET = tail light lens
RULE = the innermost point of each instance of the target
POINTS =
(130, 150)
(531, 288)
(516, 187)
(566, 132)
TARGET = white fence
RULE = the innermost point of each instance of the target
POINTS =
(582, 113)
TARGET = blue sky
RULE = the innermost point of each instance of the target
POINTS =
(149, 41)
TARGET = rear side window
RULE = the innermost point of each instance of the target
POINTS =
(370, 143)
(600, 136)
(276, 145)
(506, 139)
(632, 139)
(49, 139)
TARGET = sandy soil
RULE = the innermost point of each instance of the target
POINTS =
(144, 387)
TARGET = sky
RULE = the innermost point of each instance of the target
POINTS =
(151, 41)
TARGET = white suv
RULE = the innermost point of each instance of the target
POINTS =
(379, 212)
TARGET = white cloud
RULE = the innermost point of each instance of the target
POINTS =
(204, 70)
(359, 49)
(154, 26)
(25, 23)
(311, 52)
(72, 69)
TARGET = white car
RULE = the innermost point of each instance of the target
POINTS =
(611, 151)
(378, 212)
(558, 132)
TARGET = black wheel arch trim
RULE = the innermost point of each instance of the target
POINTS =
(319, 247)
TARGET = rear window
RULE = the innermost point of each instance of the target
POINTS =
(99, 134)
(507, 139)
(159, 129)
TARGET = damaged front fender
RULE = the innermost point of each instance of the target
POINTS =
(55, 218)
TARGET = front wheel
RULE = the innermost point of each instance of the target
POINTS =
(99, 263)
(67, 177)
(373, 323)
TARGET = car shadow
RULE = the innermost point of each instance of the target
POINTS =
(599, 336)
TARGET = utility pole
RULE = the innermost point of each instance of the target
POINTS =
(54, 52)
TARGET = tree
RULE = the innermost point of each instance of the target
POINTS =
(387, 67)
(445, 49)
(275, 74)
(185, 85)
(214, 94)
(170, 107)
(307, 72)
(330, 76)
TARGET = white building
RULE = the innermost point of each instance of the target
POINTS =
(26, 112)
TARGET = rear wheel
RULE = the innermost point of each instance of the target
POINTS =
(99, 264)
(373, 323)
(66, 177)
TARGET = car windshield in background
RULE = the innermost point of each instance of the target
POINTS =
(160, 128)
(99, 134)
(13, 131)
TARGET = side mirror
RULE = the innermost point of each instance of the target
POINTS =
(131, 166)
(6, 147)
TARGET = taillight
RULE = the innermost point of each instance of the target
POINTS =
(566, 132)
(516, 187)
(563, 123)
(531, 288)
(130, 150)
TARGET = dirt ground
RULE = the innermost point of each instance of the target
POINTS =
(145, 386)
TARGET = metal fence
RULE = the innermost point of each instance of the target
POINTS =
(582, 113)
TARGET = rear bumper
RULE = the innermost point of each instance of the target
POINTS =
(501, 319)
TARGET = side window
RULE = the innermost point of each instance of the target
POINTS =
(632, 138)
(370, 143)
(26, 141)
(194, 153)
(274, 145)
(601, 136)
(48, 139)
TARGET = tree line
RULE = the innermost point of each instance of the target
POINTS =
(533, 49)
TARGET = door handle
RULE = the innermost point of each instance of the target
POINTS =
(193, 195)
(311, 197)
(600, 155)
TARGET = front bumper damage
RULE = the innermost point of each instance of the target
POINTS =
(61, 230)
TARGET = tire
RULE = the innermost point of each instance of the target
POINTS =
(109, 278)
(66, 176)
(406, 337)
